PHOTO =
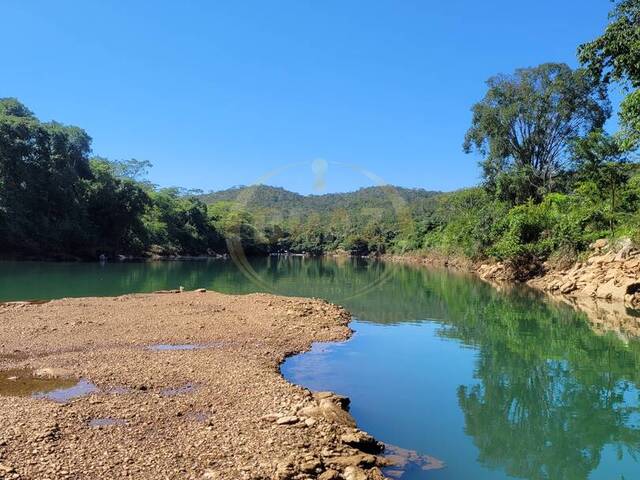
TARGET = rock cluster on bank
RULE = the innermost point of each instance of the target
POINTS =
(348, 453)
(605, 285)
(609, 273)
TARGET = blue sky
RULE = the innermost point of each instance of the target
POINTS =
(217, 94)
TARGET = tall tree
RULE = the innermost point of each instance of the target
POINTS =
(601, 161)
(615, 57)
(41, 169)
(525, 123)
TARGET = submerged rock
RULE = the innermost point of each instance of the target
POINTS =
(362, 441)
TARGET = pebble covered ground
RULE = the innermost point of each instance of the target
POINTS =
(219, 411)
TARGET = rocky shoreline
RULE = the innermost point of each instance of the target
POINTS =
(607, 280)
(605, 285)
(183, 385)
(610, 273)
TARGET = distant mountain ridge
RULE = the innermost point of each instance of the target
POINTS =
(269, 197)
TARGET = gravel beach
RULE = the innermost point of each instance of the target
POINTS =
(172, 385)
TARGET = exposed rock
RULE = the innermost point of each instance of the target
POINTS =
(613, 275)
(589, 290)
(599, 244)
(334, 397)
(625, 249)
(271, 417)
(285, 470)
(4, 469)
(362, 441)
(288, 420)
(310, 466)
(49, 372)
(359, 459)
(617, 290)
(354, 473)
(223, 429)
(567, 287)
(330, 407)
(329, 475)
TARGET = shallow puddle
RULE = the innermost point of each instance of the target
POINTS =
(118, 390)
(81, 388)
(23, 383)
(106, 422)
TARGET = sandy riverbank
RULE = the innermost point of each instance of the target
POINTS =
(219, 411)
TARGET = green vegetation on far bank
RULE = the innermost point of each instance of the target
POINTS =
(553, 181)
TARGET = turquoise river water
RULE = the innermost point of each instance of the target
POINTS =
(495, 384)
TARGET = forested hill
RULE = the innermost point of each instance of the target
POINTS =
(293, 204)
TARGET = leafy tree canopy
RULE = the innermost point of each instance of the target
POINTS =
(525, 123)
(615, 57)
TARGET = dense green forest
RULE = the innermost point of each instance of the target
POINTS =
(57, 201)
(553, 181)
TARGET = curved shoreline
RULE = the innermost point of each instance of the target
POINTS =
(220, 411)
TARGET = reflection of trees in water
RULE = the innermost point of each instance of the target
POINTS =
(551, 392)
(544, 424)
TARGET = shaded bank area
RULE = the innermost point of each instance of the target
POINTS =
(213, 407)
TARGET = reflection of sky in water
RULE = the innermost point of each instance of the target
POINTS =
(405, 380)
(83, 387)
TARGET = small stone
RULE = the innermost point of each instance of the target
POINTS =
(310, 466)
(354, 473)
(362, 441)
(600, 244)
(288, 420)
(329, 475)
(270, 417)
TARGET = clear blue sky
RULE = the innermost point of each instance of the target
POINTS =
(217, 94)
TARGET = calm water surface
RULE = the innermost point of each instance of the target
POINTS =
(498, 385)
